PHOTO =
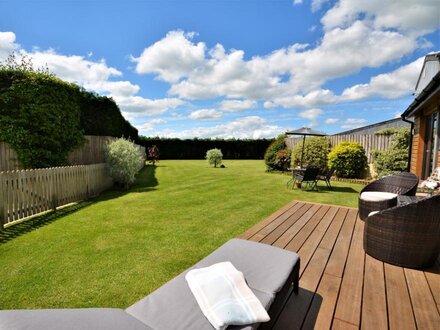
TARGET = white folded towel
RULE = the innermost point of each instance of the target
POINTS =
(224, 297)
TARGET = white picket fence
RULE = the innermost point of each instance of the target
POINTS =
(24, 193)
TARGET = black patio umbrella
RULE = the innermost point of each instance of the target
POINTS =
(305, 131)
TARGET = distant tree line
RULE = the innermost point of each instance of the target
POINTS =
(174, 148)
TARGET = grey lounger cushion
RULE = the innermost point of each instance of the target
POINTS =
(69, 319)
(173, 306)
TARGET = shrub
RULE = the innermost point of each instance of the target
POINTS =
(125, 161)
(386, 131)
(348, 159)
(214, 157)
(395, 158)
(270, 156)
(315, 152)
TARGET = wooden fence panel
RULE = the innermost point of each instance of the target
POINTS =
(370, 142)
(24, 193)
(8, 158)
(91, 152)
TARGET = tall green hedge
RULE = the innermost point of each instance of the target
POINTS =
(44, 118)
(39, 117)
(173, 148)
(100, 115)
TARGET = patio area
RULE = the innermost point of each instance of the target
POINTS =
(340, 286)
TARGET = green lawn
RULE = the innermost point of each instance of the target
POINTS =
(111, 251)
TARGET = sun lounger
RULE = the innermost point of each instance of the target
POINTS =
(271, 273)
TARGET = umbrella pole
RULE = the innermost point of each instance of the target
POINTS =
(302, 153)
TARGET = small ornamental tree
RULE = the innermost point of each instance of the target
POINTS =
(315, 152)
(270, 156)
(214, 157)
(348, 159)
(124, 159)
(282, 159)
(153, 154)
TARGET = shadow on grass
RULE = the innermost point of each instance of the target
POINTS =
(344, 189)
(145, 181)
(27, 226)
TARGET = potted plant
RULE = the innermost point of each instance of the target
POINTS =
(430, 186)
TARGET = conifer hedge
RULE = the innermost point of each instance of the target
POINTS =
(173, 148)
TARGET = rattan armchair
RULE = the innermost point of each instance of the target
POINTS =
(399, 184)
(406, 235)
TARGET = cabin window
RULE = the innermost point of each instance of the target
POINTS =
(432, 144)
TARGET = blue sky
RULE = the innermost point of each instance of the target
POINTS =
(244, 69)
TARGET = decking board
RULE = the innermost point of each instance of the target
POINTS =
(340, 286)
(401, 315)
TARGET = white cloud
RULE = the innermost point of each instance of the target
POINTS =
(331, 121)
(237, 105)
(205, 114)
(73, 68)
(342, 51)
(347, 123)
(7, 44)
(142, 106)
(92, 75)
(297, 2)
(229, 75)
(393, 84)
(115, 88)
(352, 123)
(145, 127)
(150, 125)
(408, 16)
(353, 126)
(311, 114)
(171, 58)
(158, 121)
(288, 77)
(317, 4)
(314, 98)
(252, 127)
(355, 121)
(269, 105)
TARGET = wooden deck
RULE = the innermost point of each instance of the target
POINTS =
(340, 286)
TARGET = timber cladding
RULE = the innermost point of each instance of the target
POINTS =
(25, 193)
